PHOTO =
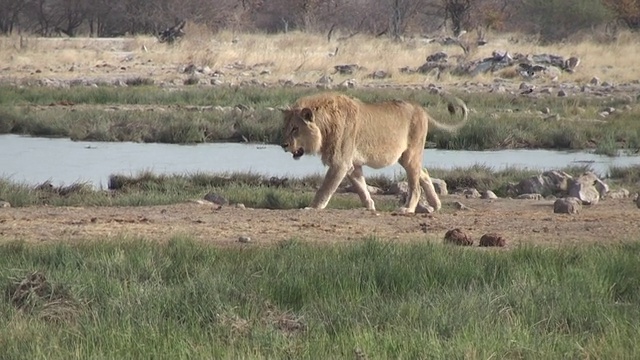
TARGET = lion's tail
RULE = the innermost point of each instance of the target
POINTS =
(451, 106)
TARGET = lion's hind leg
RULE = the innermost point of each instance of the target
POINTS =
(429, 190)
(360, 185)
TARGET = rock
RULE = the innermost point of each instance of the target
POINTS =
(437, 57)
(348, 84)
(638, 202)
(244, 239)
(562, 93)
(346, 69)
(488, 194)
(325, 79)
(379, 74)
(594, 81)
(530, 197)
(4, 204)
(588, 188)
(471, 193)
(568, 205)
(424, 208)
(398, 188)
(216, 199)
(492, 239)
(460, 206)
(549, 182)
(458, 237)
(440, 186)
(240, 206)
(618, 194)
(571, 64)
(373, 190)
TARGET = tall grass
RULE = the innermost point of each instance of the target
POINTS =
(138, 299)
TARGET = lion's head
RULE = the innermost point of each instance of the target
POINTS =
(300, 134)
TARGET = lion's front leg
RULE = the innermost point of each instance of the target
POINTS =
(330, 184)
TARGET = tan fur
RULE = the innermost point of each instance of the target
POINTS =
(348, 134)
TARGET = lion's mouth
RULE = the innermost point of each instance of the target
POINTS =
(298, 153)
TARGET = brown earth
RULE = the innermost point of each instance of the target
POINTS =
(518, 221)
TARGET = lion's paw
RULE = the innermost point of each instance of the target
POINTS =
(403, 211)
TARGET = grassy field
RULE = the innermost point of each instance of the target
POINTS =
(152, 114)
(258, 191)
(136, 298)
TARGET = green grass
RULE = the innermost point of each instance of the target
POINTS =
(133, 298)
(498, 120)
(257, 191)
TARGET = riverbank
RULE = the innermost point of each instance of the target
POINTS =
(249, 114)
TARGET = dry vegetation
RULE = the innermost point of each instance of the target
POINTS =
(293, 56)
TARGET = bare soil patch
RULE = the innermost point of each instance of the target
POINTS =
(519, 221)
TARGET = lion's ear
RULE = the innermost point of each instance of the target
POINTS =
(306, 114)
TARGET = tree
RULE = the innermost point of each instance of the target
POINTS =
(10, 11)
(628, 11)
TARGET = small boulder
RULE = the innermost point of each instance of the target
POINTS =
(4, 204)
(458, 237)
(492, 239)
(588, 188)
(398, 188)
(440, 186)
(618, 194)
(568, 205)
(216, 199)
(244, 239)
(471, 193)
(488, 194)
(530, 197)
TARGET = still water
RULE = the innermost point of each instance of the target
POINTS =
(62, 161)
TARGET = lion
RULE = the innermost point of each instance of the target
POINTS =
(348, 133)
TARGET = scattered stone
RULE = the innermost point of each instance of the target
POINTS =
(346, 69)
(549, 182)
(440, 186)
(325, 79)
(424, 208)
(191, 80)
(568, 205)
(530, 197)
(492, 239)
(398, 188)
(546, 111)
(240, 206)
(244, 239)
(439, 56)
(4, 204)
(216, 199)
(460, 206)
(488, 194)
(458, 237)
(588, 188)
(348, 84)
(373, 190)
(562, 93)
(618, 194)
(471, 193)
(379, 74)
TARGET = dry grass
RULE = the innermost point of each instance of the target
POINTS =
(296, 56)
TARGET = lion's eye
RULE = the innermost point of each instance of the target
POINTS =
(295, 129)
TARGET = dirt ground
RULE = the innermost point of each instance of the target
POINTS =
(519, 221)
